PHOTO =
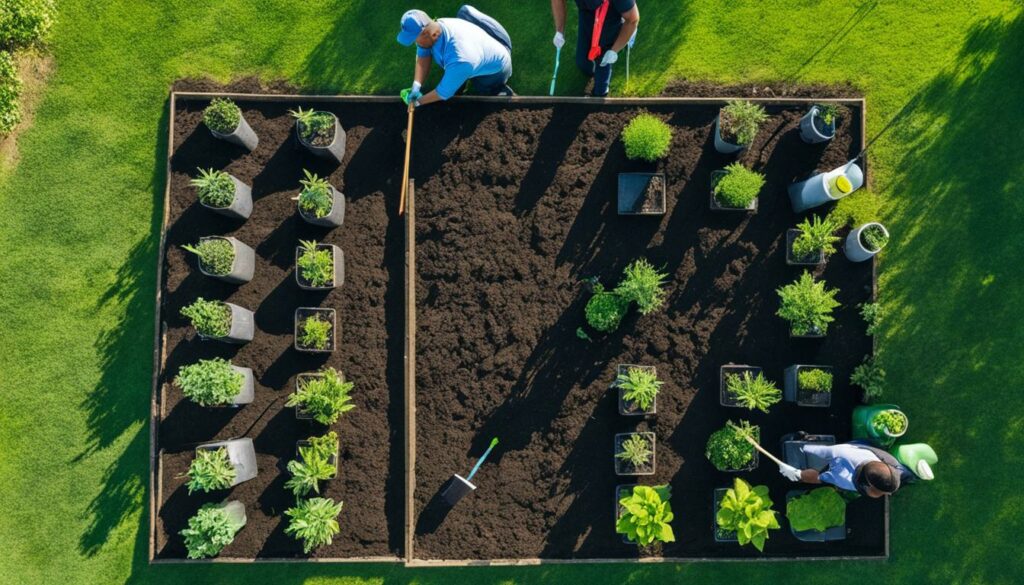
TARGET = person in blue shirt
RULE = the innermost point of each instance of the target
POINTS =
(472, 46)
(853, 467)
(605, 27)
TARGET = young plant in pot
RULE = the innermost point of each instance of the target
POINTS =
(314, 522)
(737, 125)
(819, 123)
(809, 385)
(222, 193)
(890, 423)
(735, 188)
(750, 391)
(221, 321)
(319, 266)
(318, 461)
(211, 470)
(320, 132)
(807, 305)
(213, 528)
(315, 329)
(215, 382)
(643, 284)
(638, 390)
(728, 449)
(634, 454)
(871, 378)
(320, 203)
(225, 120)
(322, 396)
(643, 514)
(865, 241)
(816, 511)
(811, 242)
(224, 258)
(744, 514)
(605, 310)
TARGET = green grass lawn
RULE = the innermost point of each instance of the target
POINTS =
(79, 231)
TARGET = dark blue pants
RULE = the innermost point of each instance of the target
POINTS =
(494, 83)
(609, 32)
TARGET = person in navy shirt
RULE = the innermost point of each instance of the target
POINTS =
(605, 26)
(470, 46)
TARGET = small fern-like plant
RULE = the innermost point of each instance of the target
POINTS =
(816, 235)
(210, 318)
(316, 265)
(636, 450)
(753, 391)
(216, 255)
(874, 238)
(317, 196)
(871, 377)
(210, 530)
(315, 332)
(728, 450)
(314, 522)
(807, 305)
(647, 138)
(214, 188)
(643, 285)
(210, 470)
(872, 313)
(210, 382)
(641, 386)
(222, 116)
(742, 119)
(738, 187)
(314, 465)
(325, 397)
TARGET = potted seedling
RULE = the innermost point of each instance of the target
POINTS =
(314, 522)
(319, 266)
(865, 241)
(735, 188)
(221, 465)
(225, 120)
(223, 193)
(215, 382)
(728, 449)
(320, 203)
(315, 329)
(807, 305)
(213, 528)
(320, 132)
(322, 396)
(318, 461)
(811, 242)
(744, 514)
(817, 515)
(643, 514)
(870, 377)
(890, 423)
(737, 125)
(641, 194)
(224, 258)
(221, 321)
(634, 454)
(808, 385)
(819, 123)
(638, 389)
(605, 310)
(746, 387)
(643, 284)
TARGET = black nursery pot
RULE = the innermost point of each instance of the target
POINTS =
(628, 408)
(334, 151)
(641, 194)
(339, 268)
(815, 260)
(793, 393)
(724, 398)
(625, 467)
(303, 313)
(720, 535)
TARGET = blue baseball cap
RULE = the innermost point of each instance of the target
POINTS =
(413, 22)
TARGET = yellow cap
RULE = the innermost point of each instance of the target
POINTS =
(844, 184)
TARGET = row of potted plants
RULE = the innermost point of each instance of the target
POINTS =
(315, 327)
(318, 131)
(319, 203)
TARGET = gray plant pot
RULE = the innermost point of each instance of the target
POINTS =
(242, 267)
(243, 135)
(242, 326)
(624, 467)
(632, 194)
(335, 150)
(723, 393)
(248, 391)
(720, 144)
(855, 249)
(241, 453)
(813, 129)
(339, 268)
(241, 207)
(817, 190)
(302, 313)
(236, 513)
(716, 176)
(816, 260)
(333, 459)
(627, 408)
(791, 391)
(335, 218)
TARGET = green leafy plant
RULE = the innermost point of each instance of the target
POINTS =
(641, 386)
(325, 397)
(209, 531)
(210, 382)
(647, 515)
(216, 255)
(316, 197)
(747, 511)
(315, 127)
(581, 333)
(814, 379)
(728, 449)
(892, 421)
(643, 285)
(222, 115)
(210, 318)
(647, 138)
(828, 113)
(10, 94)
(24, 23)
(314, 465)
(314, 522)
(752, 391)
(818, 509)
(742, 119)
(636, 450)
(807, 305)
(210, 470)
(871, 377)
(816, 235)
(214, 188)
(316, 266)
(874, 237)
(315, 332)
(738, 187)
(605, 309)
(872, 313)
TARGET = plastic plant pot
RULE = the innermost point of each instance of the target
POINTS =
(248, 391)
(300, 380)
(716, 176)
(720, 144)
(816, 260)
(830, 534)
(628, 408)
(335, 150)
(241, 205)
(241, 454)
(813, 333)
(332, 459)
(242, 328)
(792, 392)
(884, 433)
(243, 135)
(641, 194)
(825, 187)
(620, 492)
(623, 467)
(235, 511)
(242, 267)
(813, 128)
(719, 534)
(339, 268)
(303, 313)
(334, 218)
(856, 248)
(724, 398)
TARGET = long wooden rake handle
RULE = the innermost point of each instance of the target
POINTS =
(762, 450)
(408, 151)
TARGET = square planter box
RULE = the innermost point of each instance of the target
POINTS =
(339, 268)
(626, 468)
(641, 194)
(792, 393)
(716, 206)
(333, 459)
(628, 408)
(816, 260)
(720, 535)
(303, 313)
(243, 326)
(620, 492)
(830, 534)
(242, 267)
(723, 394)
(241, 454)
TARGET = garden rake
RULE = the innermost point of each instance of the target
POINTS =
(408, 151)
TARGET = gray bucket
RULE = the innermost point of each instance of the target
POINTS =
(243, 135)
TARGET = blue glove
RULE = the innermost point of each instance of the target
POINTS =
(410, 95)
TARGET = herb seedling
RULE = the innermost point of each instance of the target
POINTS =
(214, 188)
(210, 382)
(216, 255)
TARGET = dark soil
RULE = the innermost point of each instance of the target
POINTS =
(653, 198)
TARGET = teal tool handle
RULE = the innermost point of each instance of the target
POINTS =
(480, 461)
(558, 58)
